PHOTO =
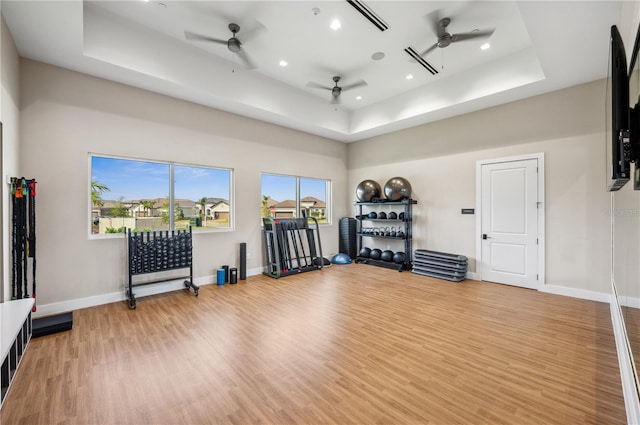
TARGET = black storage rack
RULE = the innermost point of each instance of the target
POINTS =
(159, 251)
(292, 246)
(405, 223)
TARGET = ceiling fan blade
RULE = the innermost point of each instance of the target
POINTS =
(429, 49)
(361, 83)
(199, 37)
(242, 54)
(433, 19)
(471, 35)
(315, 85)
(253, 32)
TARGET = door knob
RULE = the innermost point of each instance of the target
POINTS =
(484, 236)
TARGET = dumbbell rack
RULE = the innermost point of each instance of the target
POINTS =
(406, 224)
(159, 251)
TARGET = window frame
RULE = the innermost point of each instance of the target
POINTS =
(171, 191)
(298, 200)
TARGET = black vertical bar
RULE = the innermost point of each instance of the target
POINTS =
(243, 260)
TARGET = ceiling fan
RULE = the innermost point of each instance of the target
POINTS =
(233, 44)
(445, 38)
(336, 90)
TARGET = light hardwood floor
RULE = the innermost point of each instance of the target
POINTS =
(351, 344)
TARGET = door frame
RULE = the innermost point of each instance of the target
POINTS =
(541, 198)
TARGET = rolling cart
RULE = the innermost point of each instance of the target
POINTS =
(160, 251)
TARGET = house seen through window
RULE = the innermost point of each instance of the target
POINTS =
(292, 197)
(137, 195)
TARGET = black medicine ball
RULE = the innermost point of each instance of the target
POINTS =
(382, 215)
(392, 216)
(399, 257)
(375, 254)
(387, 255)
(373, 215)
(365, 252)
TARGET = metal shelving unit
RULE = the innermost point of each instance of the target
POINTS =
(405, 224)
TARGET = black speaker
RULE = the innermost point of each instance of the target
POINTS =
(243, 260)
(347, 239)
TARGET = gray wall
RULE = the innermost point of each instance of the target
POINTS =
(66, 115)
(439, 159)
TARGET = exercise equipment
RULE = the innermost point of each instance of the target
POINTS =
(160, 251)
(347, 242)
(368, 191)
(397, 188)
(440, 265)
(387, 255)
(373, 215)
(291, 246)
(375, 254)
(23, 237)
(382, 215)
(392, 215)
(341, 258)
(243, 261)
(399, 257)
(365, 252)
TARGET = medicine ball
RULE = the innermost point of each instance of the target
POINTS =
(401, 216)
(367, 190)
(375, 254)
(365, 252)
(399, 257)
(382, 215)
(387, 255)
(373, 215)
(397, 188)
(392, 216)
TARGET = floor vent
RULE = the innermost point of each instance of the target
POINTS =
(411, 52)
(369, 14)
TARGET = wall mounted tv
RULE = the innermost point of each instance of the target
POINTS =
(620, 149)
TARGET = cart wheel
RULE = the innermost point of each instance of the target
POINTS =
(187, 284)
(132, 304)
(196, 291)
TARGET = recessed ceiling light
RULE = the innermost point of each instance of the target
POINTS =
(377, 56)
(409, 77)
(485, 46)
(335, 25)
(283, 63)
(358, 97)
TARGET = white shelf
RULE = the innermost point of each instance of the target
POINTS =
(16, 329)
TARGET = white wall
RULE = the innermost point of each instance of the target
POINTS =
(439, 160)
(9, 116)
(65, 115)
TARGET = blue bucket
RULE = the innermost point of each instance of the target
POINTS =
(220, 277)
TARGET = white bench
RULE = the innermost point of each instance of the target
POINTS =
(15, 333)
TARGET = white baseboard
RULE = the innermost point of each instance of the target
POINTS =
(139, 291)
(629, 391)
(629, 302)
(472, 276)
(577, 293)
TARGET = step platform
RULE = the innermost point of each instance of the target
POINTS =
(440, 265)
(52, 324)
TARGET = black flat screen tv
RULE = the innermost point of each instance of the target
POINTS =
(619, 131)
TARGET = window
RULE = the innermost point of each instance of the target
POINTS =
(138, 195)
(290, 197)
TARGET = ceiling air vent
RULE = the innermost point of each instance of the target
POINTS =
(411, 52)
(369, 14)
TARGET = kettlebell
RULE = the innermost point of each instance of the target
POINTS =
(399, 234)
(401, 216)
(387, 231)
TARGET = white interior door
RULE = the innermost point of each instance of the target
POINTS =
(509, 223)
